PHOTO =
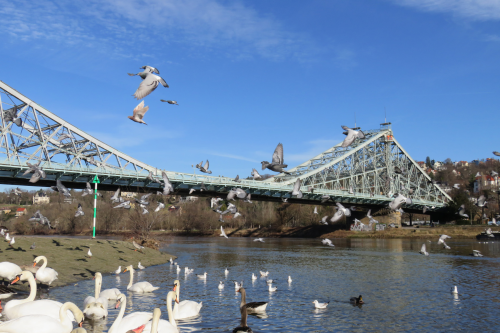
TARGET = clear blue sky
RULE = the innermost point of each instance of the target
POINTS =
(250, 74)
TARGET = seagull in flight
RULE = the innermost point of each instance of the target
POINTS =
(222, 233)
(259, 240)
(441, 241)
(160, 206)
(399, 201)
(351, 136)
(167, 185)
(315, 210)
(139, 112)
(423, 250)
(461, 212)
(277, 163)
(326, 241)
(116, 197)
(79, 211)
(341, 211)
(169, 102)
(323, 220)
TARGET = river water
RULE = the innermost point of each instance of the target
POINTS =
(402, 290)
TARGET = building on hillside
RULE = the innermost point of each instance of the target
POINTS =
(476, 162)
(21, 211)
(462, 164)
(437, 165)
(41, 198)
(5, 210)
(69, 200)
(486, 182)
(421, 164)
(429, 171)
(456, 173)
(128, 194)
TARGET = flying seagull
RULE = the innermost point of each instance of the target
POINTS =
(125, 204)
(222, 233)
(87, 190)
(204, 168)
(116, 197)
(149, 82)
(315, 210)
(351, 136)
(423, 250)
(143, 201)
(17, 191)
(476, 253)
(481, 202)
(139, 112)
(277, 163)
(61, 189)
(169, 102)
(152, 178)
(441, 241)
(323, 220)
(341, 211)
(326, 241)
(161, 205)
(79, 211)
(461, 212)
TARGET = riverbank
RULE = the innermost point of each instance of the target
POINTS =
(68, 256)
(460, 232)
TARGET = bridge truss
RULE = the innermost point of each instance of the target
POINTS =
(67, 153)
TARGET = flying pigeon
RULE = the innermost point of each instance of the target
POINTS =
(87, 190)
(64, 136)
(277, 163)
(116, 197)
(36, 170)
(61, 189)
(284, 199)
(38, 217)
(255, 174)
(149, 82)
(325, 198)
(79, 211)
(152, 178)
(496, 153)
(351, 136)
(169, 102)
(125, 204)
(11, 115)
(144, 210)
(139, 112)
(204, 168)
(399, 201)
(143, 201)
(17, 191)
(296, 189)
(248, 199)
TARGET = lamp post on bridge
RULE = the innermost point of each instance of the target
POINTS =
(96, 181)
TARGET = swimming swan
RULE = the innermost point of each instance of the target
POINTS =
(184, 309)
(139, 286)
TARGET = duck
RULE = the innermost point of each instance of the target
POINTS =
(132, 321)
(139, 286)
(44, 274)
(243, 328)
(9, 271)
(28, 306)
(157, 325)
(357, 300)
(252, 307)
(184, 309)
(319, 305)
(96, 307)
(45, 324)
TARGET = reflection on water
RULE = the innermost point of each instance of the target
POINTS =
(403, 290)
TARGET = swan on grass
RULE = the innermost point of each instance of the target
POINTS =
(44, 274)
(9, 270)
(96, 307)
(142, 287)
(44, 324)
(28, 306)
(184, 309)
(131, 321)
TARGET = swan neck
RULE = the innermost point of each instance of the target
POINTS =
(170, 297)
(178, 294)
(63, 311)
(98, 283)
(120, 314)
(32, 283)
(156, 320)
(131, 278)
(44, 259)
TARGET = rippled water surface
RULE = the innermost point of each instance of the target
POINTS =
(403, 290)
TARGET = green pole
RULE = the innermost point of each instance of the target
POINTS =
(96, 181)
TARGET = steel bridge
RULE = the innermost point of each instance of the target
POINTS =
(353, 175)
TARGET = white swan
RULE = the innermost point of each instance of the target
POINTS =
(157, 325)
(22, 307)
(44, 274)
(184, 309)
(96, 307)
(139, 286)
(131, 321)
(44, 324)
(9, 270)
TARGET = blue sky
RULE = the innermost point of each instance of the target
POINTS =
(250, 74)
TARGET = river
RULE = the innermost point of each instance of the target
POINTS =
(402, 289)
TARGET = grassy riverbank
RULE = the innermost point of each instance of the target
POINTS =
(68, 256)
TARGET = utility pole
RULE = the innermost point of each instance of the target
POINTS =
(96, 181)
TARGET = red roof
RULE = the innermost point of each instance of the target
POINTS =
(20, 209)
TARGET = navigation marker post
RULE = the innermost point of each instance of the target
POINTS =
(96, 181)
